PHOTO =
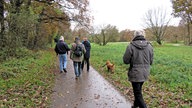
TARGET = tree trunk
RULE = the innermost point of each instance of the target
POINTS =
(190, 41)
(2, 24)
(159, 41)
(28, 4)
(103, 34)
(188, 34)
(25, 37)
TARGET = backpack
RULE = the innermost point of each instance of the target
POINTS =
(78, 50)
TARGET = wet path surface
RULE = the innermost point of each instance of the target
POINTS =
(91, 90)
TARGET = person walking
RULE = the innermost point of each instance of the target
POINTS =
(76, 54)
(139, 54)
(62, 49)
(87, 45)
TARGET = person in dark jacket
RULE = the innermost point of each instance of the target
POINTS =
(87, 54)
(139, 54)
(62, 49)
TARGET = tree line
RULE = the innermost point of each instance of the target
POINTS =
(33, 24)
(110, 33)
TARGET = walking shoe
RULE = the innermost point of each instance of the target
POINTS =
(65, 70)
(61, 71)
(76, 77)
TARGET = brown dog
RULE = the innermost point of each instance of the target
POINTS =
(110, 66)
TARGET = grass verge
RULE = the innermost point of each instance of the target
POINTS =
(28, 81)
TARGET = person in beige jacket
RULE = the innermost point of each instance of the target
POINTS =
(76, 54)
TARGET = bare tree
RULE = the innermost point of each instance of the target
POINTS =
(156, 21)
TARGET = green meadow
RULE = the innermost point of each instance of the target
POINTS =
(170, 82)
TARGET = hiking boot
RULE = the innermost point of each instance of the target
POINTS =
(65, 70)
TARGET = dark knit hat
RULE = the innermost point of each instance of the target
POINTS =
(77, 38)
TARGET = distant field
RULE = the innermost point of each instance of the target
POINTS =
(170, 83)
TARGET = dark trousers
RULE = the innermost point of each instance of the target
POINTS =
(87, 61)
(137, 90)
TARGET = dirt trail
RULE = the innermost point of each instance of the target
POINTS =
(91, 90)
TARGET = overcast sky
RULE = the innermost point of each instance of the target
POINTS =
(126, 14)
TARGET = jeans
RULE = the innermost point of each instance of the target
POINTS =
(137, 89)
(87, 61)
(63, 61)
(77, 68)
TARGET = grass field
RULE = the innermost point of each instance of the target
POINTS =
(27, 82)
(170, 82)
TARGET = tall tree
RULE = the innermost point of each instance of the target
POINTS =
(34, 23)
(112, 33)
(183, 9)
(157, 21)
(59, 11)
(107, 33)
(76, 10)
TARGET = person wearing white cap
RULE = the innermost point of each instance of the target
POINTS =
(62, 49)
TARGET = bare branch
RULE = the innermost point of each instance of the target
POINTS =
(156, 21)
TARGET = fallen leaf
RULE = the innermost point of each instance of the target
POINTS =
(97, 96)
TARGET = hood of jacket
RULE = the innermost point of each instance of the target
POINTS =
(140, 42)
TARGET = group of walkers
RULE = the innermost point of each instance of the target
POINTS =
(139, 54)
(79, 53)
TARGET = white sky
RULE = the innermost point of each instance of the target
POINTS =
(126, 14)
